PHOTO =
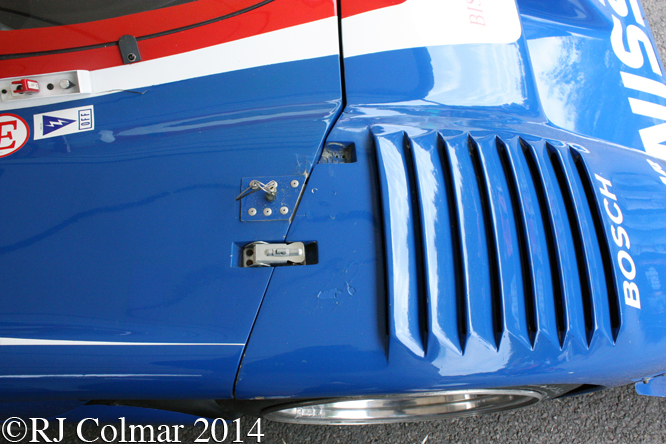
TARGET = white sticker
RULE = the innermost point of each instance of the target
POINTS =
(417, 23)
(64, 121)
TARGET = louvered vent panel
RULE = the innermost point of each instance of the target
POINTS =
(489, 238)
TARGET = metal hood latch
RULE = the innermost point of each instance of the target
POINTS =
(263, 254)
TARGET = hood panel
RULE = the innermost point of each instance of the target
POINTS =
(472, 228)
(479, 262)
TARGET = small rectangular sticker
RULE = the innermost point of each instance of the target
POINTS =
(64, 121)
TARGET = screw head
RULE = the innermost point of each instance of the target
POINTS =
(284, 210)
(267, 211)
(131, 57)
(252, 211)
(294, 183)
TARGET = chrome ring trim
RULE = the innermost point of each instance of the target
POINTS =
(404, 407)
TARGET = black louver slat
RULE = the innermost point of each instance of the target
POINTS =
(613, 297)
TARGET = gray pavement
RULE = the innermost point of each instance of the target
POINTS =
(656, 14)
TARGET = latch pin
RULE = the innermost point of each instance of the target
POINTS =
(270, 189)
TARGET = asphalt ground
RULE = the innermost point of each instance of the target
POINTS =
(616, 415)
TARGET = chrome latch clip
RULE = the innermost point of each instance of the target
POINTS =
(263, 254)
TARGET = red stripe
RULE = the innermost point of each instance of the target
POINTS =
(277, 15)
(103, 31)
(353, 7)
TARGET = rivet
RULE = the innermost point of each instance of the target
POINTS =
(294, 183)
(252, 211)
(267, 211)
(284, 210)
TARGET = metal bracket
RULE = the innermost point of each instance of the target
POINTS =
(276, 199)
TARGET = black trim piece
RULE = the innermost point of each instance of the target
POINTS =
(74, 12)
(581, 256)
(456, 240)
(582, 390)
(384, 244)
(206, 408)
(59, 51)
(419, 246)
(523, 243)
(343, 84)
(595, 210)
(129, 49)
(491, 239)
(145, 37)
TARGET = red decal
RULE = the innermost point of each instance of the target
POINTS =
(353, 7)
(273, 16)
(110, 30)
(14, 133)
(476, 13)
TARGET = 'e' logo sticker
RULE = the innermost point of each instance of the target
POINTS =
(14, 133)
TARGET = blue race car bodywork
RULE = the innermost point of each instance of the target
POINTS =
(481, 206)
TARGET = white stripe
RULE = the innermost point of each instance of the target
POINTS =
(647, 109)
(653, 138)
(21, 341)
(139, 375)
(307, 41)
(418, 23)
(639, 83)
(301, 42)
